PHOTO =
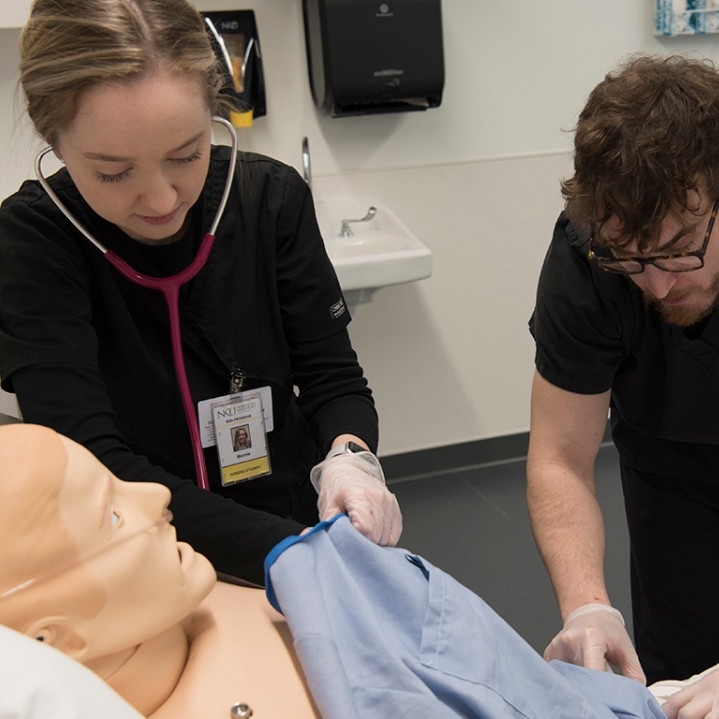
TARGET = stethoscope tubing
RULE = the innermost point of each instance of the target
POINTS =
(168, 286)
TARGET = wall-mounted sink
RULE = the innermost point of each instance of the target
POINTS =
(380, 250)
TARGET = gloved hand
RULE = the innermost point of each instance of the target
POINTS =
(354, 484)
(594, 637)
(698, 700)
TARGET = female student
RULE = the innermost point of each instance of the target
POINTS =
(253, 325)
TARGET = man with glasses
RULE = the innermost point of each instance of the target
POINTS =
(626, 321)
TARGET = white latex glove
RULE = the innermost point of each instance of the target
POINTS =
(354, 484)
(698, 700)
(594, 636)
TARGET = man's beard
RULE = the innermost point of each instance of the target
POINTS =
(686, 315)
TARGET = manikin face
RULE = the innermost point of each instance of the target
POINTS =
(150, 581)
(139, 152)
(683, 298)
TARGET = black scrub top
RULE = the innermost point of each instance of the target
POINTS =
(594, 332)
(88, 352)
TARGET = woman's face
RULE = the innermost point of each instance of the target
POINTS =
(150, 581)
(139, 152)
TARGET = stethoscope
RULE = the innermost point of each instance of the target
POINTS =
(168, 286)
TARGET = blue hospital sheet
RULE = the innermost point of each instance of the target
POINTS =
(381, 632)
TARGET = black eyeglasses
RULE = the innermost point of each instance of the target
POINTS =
(679, 262)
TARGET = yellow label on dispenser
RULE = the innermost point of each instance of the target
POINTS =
(242, 119)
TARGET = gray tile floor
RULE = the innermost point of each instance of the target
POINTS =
(473, 523)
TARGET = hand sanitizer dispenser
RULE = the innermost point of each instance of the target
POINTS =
(368, 57)
(234, 38)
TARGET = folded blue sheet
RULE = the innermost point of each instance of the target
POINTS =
(380, 632)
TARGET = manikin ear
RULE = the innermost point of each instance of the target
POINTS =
(58, 632)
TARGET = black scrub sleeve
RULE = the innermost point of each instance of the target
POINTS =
(71, 399)
(579, 316)
(333, 393)
(334, 396)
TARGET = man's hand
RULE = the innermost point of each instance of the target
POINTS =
(594, 636)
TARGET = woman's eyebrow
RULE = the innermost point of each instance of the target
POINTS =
(103, 157)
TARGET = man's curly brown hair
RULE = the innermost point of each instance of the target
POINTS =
(647, 137)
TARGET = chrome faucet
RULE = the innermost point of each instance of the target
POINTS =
(306, 166)
(346, 230)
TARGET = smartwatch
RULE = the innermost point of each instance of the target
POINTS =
(346, 448)
(374, 468)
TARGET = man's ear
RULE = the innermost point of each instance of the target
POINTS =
(58, 632)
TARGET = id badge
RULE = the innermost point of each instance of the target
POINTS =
(241, 438)
(207, 422)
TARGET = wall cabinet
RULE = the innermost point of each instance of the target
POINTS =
(14, 13)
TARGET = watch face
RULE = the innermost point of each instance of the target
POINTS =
(354, 447)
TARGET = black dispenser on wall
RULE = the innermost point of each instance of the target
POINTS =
(367, 57)
(234, 38)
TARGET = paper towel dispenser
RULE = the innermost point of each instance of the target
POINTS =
(368, 57)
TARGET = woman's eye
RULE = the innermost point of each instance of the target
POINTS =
(114, 518)
(111, 178)
(185, 160)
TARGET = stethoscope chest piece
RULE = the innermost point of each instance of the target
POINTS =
(241, 711)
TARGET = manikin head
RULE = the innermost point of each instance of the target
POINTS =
(88, 563)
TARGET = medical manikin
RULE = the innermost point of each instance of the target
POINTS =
(91, 566)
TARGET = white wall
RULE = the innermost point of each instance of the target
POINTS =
(449, 358)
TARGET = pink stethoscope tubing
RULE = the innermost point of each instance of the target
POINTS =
(168, 286)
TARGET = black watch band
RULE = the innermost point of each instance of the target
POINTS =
(346, 448)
